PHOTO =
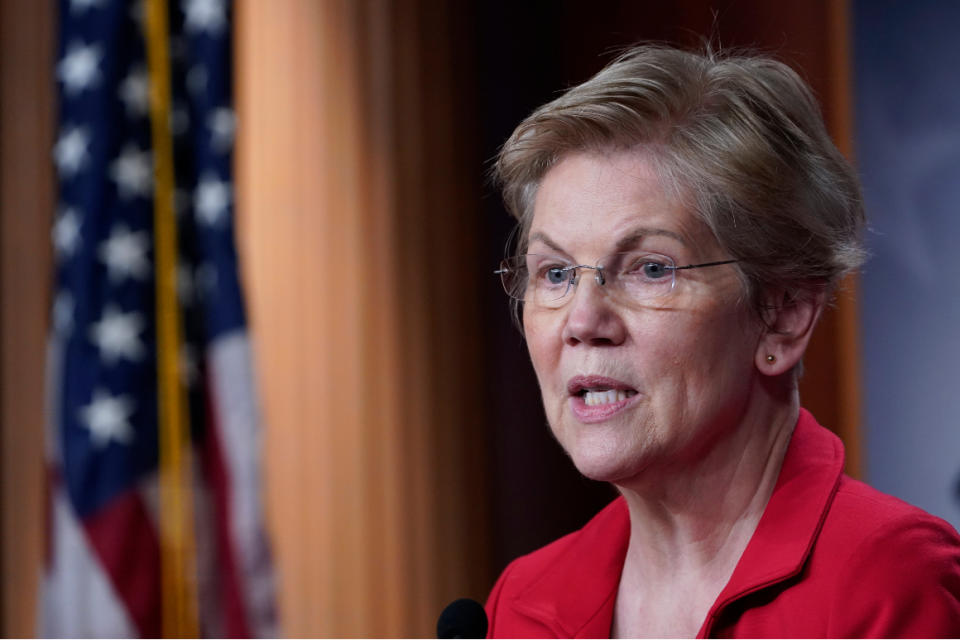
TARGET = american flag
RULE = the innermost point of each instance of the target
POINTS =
(106, 549)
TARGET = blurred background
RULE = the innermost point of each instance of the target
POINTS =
(405, 456)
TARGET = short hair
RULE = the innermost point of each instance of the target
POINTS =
(739, 138)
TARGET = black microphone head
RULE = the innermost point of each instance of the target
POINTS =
(463, 618)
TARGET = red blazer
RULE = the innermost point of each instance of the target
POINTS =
(831, 557)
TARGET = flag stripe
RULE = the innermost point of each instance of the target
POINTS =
(234, 622)
(79, 597)
(236, 414)
(124, 538)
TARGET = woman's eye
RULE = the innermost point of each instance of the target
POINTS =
(655, 270)
(556, 275)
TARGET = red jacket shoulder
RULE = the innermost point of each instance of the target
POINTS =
(867, 507)
(897, 567)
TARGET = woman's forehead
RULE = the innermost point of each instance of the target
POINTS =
(616, 200)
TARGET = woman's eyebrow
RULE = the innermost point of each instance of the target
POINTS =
(633, 238)
(545, 239)
(629, 241)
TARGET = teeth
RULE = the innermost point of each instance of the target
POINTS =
(594, 398)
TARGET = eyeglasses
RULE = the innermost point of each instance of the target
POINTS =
(629, 277)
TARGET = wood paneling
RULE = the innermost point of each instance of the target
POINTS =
(26, 205)
(347, 180)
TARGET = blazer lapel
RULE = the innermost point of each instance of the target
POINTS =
(575, 596)
(785, 535)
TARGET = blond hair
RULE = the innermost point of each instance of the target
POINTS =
(739, 138)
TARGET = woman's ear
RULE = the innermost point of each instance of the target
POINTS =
(789, 321)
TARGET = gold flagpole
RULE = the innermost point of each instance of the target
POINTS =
(177, 547)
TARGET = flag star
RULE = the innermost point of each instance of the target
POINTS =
(66, 232)
(125, 253)
(135, 92)
(63, 312)
(79, 68)
(108, 418)
(223, 124)
(80, 6)
(70, 151)
(116, 335)
(205, 15)
(133, 173)
(211, 199)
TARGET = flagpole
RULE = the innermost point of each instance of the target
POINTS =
(178, 558)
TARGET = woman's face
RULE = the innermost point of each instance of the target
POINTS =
(681, 366)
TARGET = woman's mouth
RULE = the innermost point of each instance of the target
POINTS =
(595, 399)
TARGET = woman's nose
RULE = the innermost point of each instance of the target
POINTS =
(592, 317)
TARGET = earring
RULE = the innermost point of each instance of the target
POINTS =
(771, 358)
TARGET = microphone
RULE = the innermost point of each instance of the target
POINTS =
(463, 618)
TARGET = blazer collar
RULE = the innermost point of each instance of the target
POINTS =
(781, 544)
(575, 595)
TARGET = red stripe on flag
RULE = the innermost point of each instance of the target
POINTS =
(125, 541)
(235, 620)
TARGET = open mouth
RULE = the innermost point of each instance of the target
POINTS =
(597, 391)
(597, 397)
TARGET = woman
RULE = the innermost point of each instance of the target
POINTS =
(684, 219)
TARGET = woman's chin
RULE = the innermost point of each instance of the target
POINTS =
(609, 452)
(609, 465)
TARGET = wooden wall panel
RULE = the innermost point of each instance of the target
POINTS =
(26, 206)
(347, 179)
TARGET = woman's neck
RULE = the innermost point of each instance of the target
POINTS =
(689, 526)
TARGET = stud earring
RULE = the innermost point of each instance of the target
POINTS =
(771, 358)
